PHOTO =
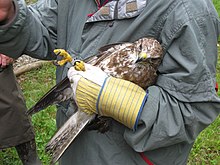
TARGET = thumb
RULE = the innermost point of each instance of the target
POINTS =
(72, 71)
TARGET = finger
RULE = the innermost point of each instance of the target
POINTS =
(74, 79)
(4, 62)
(72, 71)
(11, 60)
(8, 61)
(0, 59)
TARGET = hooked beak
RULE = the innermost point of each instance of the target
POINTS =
(141, 57)
(138, 60)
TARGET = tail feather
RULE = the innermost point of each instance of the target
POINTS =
(67, 133)
(59, 93)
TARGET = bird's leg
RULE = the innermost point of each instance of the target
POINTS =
(101, 123)
(66, 57)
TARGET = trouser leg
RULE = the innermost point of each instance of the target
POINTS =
(27, 153)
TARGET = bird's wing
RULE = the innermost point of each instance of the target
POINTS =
(59, 93)
(67, 133)
(77, 122)
(63, 91)
(106, 52)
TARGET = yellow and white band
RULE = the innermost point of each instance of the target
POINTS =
(121, 100)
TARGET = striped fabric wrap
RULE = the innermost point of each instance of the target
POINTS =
(86, 95)
(121, 100)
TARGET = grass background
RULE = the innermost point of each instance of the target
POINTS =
(206, 150)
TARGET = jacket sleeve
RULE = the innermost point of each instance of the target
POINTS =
(32, 31)
(183, 102)
(166, 121)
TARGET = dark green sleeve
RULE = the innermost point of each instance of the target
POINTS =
(32, 32)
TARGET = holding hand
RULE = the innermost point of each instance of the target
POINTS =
(96, 92)
(86, 83)
(5, 60)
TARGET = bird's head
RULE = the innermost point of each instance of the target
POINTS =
(148, 48)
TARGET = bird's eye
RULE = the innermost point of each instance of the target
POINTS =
(140, 46)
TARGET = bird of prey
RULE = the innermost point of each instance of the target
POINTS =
(136, 62)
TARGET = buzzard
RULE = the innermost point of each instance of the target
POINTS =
(136, 62)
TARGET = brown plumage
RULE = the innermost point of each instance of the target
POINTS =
(121, 60)
(136, 62)
(124, 61)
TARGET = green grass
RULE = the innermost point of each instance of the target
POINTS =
(34, 85)
(217, 5)
(206, 149)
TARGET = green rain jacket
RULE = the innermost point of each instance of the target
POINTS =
(15, 124)
(180, 105)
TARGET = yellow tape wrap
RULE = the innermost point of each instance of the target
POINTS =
(86, 95)
(121, 100)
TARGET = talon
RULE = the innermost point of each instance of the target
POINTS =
(66, 56)
(79, 65)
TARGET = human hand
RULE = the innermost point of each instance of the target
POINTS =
(91, 73)
(96, 92)
(7, 11)
(5, 60)
(92, 78)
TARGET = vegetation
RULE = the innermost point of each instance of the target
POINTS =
(217, 5)
(206, 150)
(34, 85)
